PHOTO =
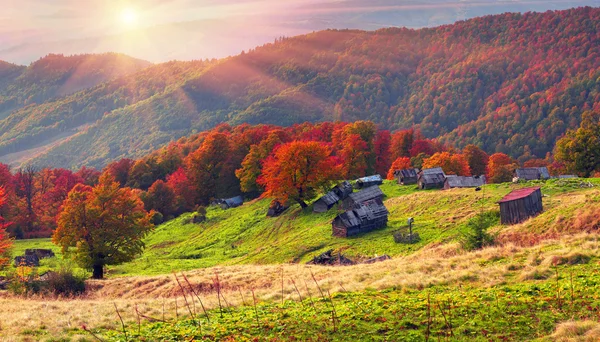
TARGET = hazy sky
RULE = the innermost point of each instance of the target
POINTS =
(160, 30)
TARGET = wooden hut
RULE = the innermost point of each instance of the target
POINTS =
(355, 199)
(532, 173)
(367, 217)
(407, 176)
(276, 209)
(233, 202)
(27, 260)
(453, 181)
(340, 192)
(369, 181)
(434, 178)
(343, 190)
(520, 205)
(326, 202)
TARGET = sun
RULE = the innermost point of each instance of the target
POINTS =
(129, 16)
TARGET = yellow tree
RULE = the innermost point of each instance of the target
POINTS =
(102, 226)
(452, 164)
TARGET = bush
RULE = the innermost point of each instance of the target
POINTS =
(477, 235)
(65, 283)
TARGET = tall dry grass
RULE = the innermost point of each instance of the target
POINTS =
(436, 264)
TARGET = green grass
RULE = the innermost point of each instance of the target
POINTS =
(508, 312)
(245, 235)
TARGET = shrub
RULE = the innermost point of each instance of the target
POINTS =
(65, 282)
(477, 236)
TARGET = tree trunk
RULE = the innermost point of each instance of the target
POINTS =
(98, 272)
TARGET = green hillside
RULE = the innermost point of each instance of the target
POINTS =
(500, 82)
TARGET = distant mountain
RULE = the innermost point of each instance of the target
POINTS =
(57, 75)
(509, 83)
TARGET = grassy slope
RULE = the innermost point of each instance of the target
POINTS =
(245, 236)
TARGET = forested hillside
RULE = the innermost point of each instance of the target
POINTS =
(509, 83)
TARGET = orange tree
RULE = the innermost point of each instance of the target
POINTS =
(500, 168)
(102, 226)
(296, 170)
(401, 163)
(5, 241)
(477, 159)
(452, 164)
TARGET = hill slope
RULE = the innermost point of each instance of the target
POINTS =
(510, 83)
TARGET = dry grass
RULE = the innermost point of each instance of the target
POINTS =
(577, 331)
(438, 264)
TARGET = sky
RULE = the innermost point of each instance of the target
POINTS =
(162, 30)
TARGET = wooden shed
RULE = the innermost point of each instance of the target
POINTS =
(453, 181)
(434, 178)
(369, 181)
(355, 199)
(276, 208)
(368, 216)
(532, 173)
(520, 205)
(407, 176)
(233, 202)
(327, 201)
(343, 190)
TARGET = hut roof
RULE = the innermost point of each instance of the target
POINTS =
(366, 194)
(349, 219)
(465, 182)
(343, 189)
(370, 179)
(433, 178)
(330, 198)
(407, 173)
(567, 176)
(234, 201)
(533, 173)
(432, 171)
(371, 210)
(519, 194)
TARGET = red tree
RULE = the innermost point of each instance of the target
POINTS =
(452, 164)
(400, 163)
(382, 151)
(477, 159)
(354, 154)
(500, 168)
(296, 170)
(5, 241)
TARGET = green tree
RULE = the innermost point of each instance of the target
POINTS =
(102, 226)
(579, 150)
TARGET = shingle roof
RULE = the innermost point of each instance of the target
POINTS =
(368, 211)
(567, 176)
(407, 173)
(329, 198)
(518, 194)
(432, 171)
(234, 201)
(369, 179)
(434, 178)
(465, 182)
(366, 194)
(533, 173)
(343, 190)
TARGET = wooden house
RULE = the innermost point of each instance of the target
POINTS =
(326, 202)
(532, 173)
(233, 202)
(355, 199)
(520, 205)
(27, 260)
(276, 209)
(343, 190)
(453, 181)
(340, 192)
(434, 178)
(369, 181)
(368, 216)
(406, 177)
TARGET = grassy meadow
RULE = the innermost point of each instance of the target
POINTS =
(482, 291)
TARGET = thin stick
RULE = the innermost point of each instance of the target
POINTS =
(310, 296)
(218, 289)
(445, 319)
(176, 311)
(333, 312)
(91, 333)
(297, 291)
(572, 290)
(428, 331)
(282, 286)
(122, 323)
(138, 319)
(197, 296)
(163, 310)
(318, 287)
(356, 304)
(187, 304)
(242, 295)
(255, 309)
